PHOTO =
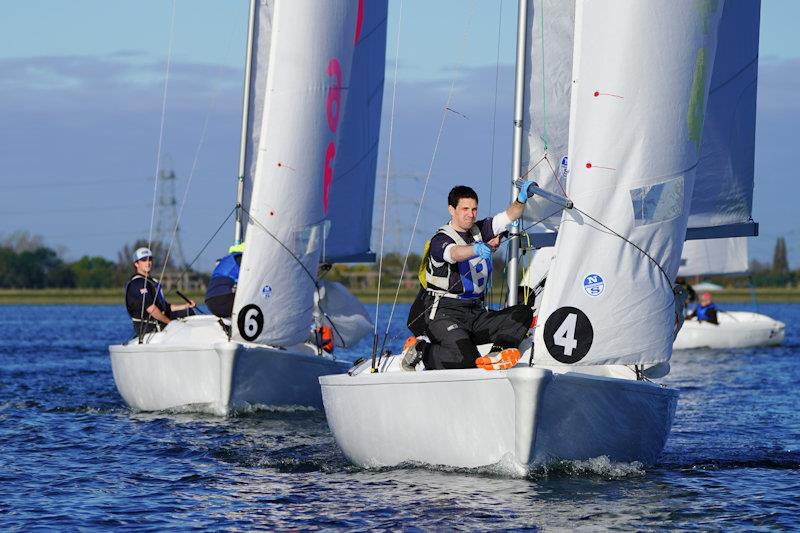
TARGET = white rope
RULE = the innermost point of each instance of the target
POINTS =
(163, 120)
(494, 106)
(388, 166)
(160, 143)
(489, 287)
(211, 107)
(430, 168)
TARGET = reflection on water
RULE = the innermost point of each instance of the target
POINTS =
(74, 456)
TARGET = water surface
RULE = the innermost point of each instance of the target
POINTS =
(73, 456)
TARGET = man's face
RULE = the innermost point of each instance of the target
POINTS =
(144, 266)
(464, 214)
(705, 299)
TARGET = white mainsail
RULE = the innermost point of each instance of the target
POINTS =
(305, 98)
(714, 256)
(353, 188)
(548, 68)
(259, 65)
(641, 74)
(723, 190)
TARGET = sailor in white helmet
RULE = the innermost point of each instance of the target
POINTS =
(145, 301)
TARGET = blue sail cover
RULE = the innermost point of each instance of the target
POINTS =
(353, 187)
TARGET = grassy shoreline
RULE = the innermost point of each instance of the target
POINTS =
(115, 296)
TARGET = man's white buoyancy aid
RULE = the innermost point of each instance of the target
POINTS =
(474, 273)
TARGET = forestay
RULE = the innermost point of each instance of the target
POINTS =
(352, 191)
(310, 55)
(641, 74)
(714, 256)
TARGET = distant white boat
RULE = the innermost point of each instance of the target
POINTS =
(313, 91)
(707, 286)
(736, 329)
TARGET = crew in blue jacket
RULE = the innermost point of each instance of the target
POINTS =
(705, 311)
(222, 286)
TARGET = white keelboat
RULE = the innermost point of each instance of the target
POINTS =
(736, 329)
(313, 90)
(637, 83)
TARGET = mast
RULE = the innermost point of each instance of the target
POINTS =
(516, 154)
(248, 68)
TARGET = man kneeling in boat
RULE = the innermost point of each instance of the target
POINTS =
(457, 269)
(705, 311)
(145, 301)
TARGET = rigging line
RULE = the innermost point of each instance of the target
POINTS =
(313, 278)
(430, 171)
(211, 107)
(386, 187)
(160, 138)
(203, 248)
(494, 113)
(555, 176)
(587, 215)
(163, 120)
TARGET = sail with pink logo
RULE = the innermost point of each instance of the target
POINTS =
(297, 135)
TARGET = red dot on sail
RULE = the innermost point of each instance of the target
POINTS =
(597, 93)
(588, 165)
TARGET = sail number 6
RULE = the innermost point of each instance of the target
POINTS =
(250, 322)
(568, 335)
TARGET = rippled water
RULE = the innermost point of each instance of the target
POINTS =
(73, 456)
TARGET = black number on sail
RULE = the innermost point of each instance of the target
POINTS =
(250, 322)
(568, 335)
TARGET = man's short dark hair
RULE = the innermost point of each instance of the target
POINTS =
(458, 192)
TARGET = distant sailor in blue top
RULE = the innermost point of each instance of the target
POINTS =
(705, 311)
(145, 301)
(448, 317)
(222, 286)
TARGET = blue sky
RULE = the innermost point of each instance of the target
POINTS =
(80, 96)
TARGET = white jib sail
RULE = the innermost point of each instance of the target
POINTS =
(641, 72)
(310, 56)
(714, 256)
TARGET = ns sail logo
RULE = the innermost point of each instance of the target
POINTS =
(594, 285)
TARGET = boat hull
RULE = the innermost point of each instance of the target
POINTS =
(472, 418)
(736, 329)
(214, 375)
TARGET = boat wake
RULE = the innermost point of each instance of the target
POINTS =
(597, 467)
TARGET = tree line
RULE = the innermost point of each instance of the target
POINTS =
(26, 263)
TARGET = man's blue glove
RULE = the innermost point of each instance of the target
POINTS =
(522, 197)
(482, 250)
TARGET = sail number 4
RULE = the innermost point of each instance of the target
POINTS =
(568, 335)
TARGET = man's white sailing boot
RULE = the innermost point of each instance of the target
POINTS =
(412, 352)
